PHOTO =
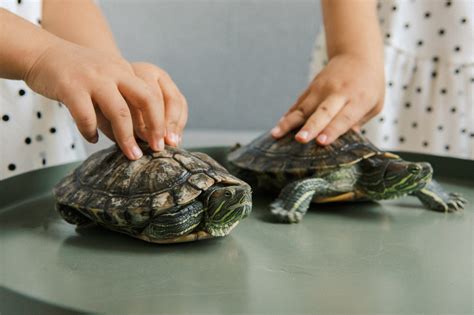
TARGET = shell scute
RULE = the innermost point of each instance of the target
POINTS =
(286, 155)
(67, 188)
(201, 181)
(191, 163)
(185, 193)
(80, 196)
(159, 175)
(98, 200)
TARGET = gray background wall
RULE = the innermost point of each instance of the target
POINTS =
(240, 63)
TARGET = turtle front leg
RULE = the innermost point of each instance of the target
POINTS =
(175, 225)
(295, 198)
(434, 197)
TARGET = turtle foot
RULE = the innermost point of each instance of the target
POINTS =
(434, 197)
(449, 202)
(455, 202)
(72, 215)
(283, 215)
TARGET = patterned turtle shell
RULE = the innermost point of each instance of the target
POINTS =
(267, 155)
(137, 191)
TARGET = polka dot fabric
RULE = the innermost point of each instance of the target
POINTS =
(35, 132)
(429, 70)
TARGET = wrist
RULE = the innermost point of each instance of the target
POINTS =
(22, 44)
(368, 60)
(358, 66)
(368, 50)
(37, 55)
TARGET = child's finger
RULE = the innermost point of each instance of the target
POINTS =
(324, 113)
(296, 117)
(139, 125)
(343, 121)
(183, 118)
(116, 110)
(161, 132)
(104, 124)
(82, 110)
(149, 103)
(294, 120)
(298, 101)
(289, 122)
(373, 112)
(175, 108)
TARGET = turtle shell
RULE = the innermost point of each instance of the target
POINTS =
(113, 190)
(285, 155)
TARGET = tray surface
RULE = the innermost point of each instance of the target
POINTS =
(393, 257)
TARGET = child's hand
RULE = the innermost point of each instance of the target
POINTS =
(346, 93)
(175, 106)
(102, 90)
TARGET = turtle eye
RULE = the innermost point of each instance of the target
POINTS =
(414, 168)
(228, 193)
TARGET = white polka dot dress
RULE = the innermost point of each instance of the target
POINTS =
(35, 132)
(429, 70)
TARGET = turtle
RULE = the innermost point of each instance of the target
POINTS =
(349, 169)
(164, 197)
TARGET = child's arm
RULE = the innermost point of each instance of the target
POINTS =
(350, 89)
(81, 22)
(98, 88)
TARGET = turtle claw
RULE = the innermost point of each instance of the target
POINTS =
(452, 207)
(283, 215)
(458, 197)
(434, 197)
(455, 203)
(286, 216)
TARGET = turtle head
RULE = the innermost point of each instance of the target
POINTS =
(225, 206)
(391, 178)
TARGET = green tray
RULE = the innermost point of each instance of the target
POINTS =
(389, 257)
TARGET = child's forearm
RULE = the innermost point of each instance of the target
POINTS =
(80, 22)
(352, 27)
(74, 60)
(22, 43)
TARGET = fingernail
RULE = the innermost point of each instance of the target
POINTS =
(303, 135)
(161, 144)
(174, 138)
(276, 131)
(94, 138)
(281, 119)
(322, 138)
(137, 153)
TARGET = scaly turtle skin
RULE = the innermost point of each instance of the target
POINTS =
(349, 169)
(164, 197)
